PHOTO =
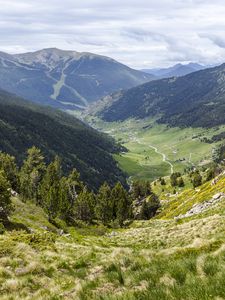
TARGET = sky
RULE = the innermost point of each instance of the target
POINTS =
(138, 33)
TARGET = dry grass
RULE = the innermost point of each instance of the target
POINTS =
(157, 259)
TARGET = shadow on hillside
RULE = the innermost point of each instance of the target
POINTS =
(10, 226)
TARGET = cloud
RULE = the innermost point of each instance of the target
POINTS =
(139, 33)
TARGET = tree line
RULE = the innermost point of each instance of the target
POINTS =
(67, 197)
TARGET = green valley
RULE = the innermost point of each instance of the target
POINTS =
(156, 150)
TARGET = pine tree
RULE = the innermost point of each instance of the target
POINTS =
(74, 185)
(5, 198)
(104, 206)
(136, 189)
(84, 206)
(71, 188)
(51, 190)
(8, 165)
(211, 173)
(121, 203)
(31, 174)
(141, 189)
(144, 211)
(149, 207)
(173, 178)
(147, 189)
(197, 180)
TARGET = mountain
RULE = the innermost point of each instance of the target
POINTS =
(65, 79)
(175, 71)
(23, 124)
(197, 99)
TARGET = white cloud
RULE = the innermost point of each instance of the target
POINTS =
(139, 33)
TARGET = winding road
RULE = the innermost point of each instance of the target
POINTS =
(164, 158)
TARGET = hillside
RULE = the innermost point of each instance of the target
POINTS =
(65, 79)
(23, 125)
(196, 100)
(163, 258)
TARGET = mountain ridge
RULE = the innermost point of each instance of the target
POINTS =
(197, 99)
(176, 70)
(65, 79)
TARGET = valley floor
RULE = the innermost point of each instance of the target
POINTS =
(157, 150)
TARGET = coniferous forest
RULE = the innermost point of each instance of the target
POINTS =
(67, 197)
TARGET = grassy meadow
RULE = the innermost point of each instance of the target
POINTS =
(181, 147)
(164, 258)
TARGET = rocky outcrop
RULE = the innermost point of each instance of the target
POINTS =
(136, 206)
(200, 207)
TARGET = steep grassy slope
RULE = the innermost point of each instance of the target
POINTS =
(23, 125)
(163, 258)
(181, 204)
(196, 100)
(65, 79)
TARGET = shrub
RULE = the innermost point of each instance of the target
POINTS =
(2, 228)
(5, 198)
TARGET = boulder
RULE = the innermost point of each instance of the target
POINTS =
(217, 196)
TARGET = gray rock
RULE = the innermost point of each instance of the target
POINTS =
(200, 207)
(217, 196)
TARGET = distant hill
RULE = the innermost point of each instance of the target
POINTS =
(175, 71)
(197, 99)
(65, 79)
(23, 125)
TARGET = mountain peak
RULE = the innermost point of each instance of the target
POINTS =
(177, 70)
(66, 79)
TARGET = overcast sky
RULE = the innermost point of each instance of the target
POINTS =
(139, 33)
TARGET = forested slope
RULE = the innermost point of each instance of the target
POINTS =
(23, 125)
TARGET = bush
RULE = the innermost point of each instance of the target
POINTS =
(2, 228)
(197, 180)
(173, 179)
(149, 207)
(180, 182)
(5, 198)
